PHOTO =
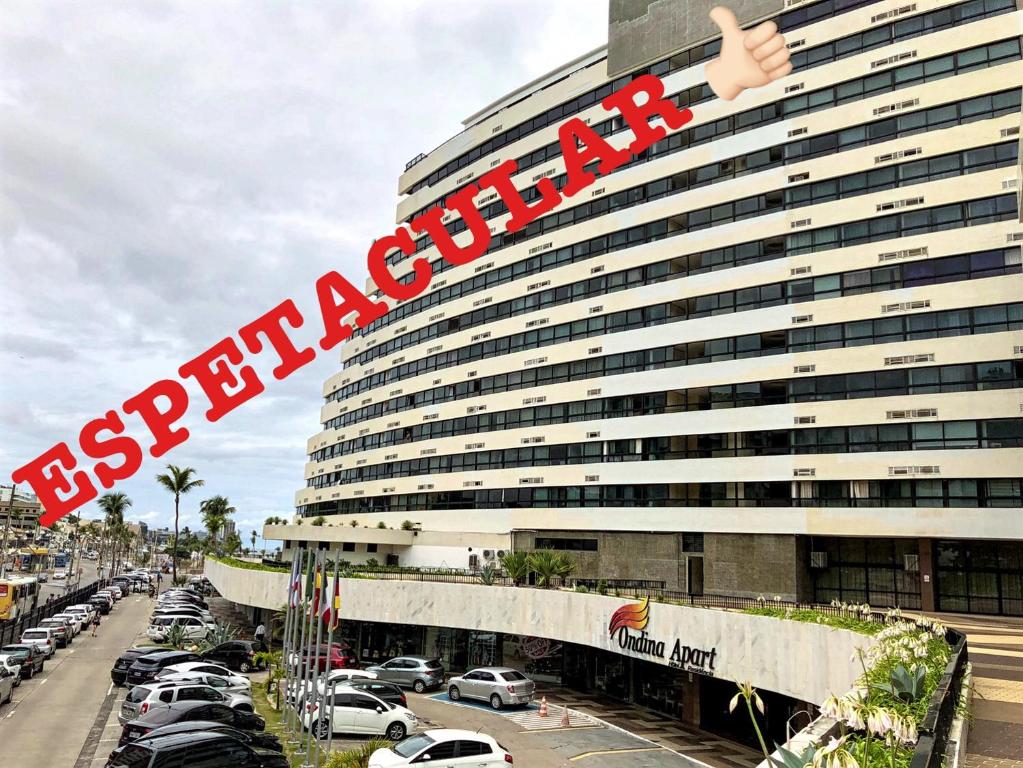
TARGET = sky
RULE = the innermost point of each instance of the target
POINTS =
(169, 171)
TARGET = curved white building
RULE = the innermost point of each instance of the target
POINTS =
(779, 353)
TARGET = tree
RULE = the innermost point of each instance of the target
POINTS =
(548, 565)
(232, 544)
(178, 480)
(252, 538)
(516, 565)
(114, 505)
(215, 512)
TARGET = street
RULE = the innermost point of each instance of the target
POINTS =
(53, 715)
(60, 588)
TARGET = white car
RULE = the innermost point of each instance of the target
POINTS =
(76, 621)
(223, 680)
(142, 698)
(195, 628)
(358, 712)
(9, 662)
(8, 680)
(336, 677)
(42, 638)
(444, 746)
(59, 575)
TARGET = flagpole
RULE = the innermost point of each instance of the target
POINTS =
(294, 719)
(300, 657)
(311, 739)
(286, 642)
(335, 621)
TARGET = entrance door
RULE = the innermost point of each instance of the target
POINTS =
(694, 575)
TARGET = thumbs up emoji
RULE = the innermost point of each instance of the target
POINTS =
(749, 59)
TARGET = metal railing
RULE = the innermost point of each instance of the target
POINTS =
(936, 725)
(12, 629)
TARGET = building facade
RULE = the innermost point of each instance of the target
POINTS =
(779, 353)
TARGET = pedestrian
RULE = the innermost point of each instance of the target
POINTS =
(261, 635)
(95, 623)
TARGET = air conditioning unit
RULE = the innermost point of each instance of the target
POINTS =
(818, 560)
(474, 562)
(488, 554)
(911, 563)
(501, 553)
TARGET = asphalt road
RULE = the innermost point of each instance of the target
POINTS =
(53, 714)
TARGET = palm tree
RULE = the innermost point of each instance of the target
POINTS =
(178, 480)
(516, 566)
(252, 538)
(114, 505)
(215, 512)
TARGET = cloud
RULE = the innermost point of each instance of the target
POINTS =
(171, 170)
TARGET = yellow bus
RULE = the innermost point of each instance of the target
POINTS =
(18, 595)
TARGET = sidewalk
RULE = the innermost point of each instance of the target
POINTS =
(670, 733)
(996, 652)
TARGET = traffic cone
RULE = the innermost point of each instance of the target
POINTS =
(543, 707)
(565, 722)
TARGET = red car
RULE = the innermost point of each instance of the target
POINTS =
(341, 656)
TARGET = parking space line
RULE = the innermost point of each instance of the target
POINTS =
(614, 752)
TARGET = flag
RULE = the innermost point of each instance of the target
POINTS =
(332, 606)
(318, 589)
(295, 582)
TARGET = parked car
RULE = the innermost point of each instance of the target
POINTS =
(341, 657)
(444, 746)
(416, 672)
(263, 740)
(62, 633)
(142, 698)
(232, 684)
(388, 692)
(42, 638)
(101, 603)
(205, 668)
(194, 749)
(32, 659)
(87, 610)
(357, 712)
(184, 610)
(144, 668)
(183, 594)
(7, 678)
(195, 628)
(119, 672)
(75, 621)
(12, 662)
(189, 711)
(42, 578)
(335, 677)
(501, 686)
(238, 655)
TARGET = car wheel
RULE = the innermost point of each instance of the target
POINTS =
(396, 731)
(453, 693)
(495, 701)
(322, 729)
(245, 666)
(418, 686)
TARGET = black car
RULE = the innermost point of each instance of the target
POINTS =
(144, 668)
(389, 692)
(189, 711)
(194, 749)
(120, 669)
(237, 655)
(31, 659)
(263, 740)
(191, 597)
(102, 605)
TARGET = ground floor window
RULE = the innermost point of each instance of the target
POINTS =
(881, 572)
(980, 577)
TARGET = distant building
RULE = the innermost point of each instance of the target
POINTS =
(22, 512)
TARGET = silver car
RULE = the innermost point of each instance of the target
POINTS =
(501, 686)
(416, 672)
(142, 698)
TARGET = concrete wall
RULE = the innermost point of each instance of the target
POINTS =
(772, 653)
(738, 564)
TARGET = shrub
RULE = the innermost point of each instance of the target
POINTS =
(549, 565)
(381, 524)
(488, 575)
(357, 757)
(354, 523)
(516, 565)
(318, 521)
(407, 525)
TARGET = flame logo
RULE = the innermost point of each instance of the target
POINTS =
(634, 616)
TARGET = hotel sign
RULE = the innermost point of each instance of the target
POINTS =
(628, 627)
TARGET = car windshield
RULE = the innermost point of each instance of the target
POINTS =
(433, 664)
(412, 745)
(132, 756)
(513, 675)
(137, 694)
